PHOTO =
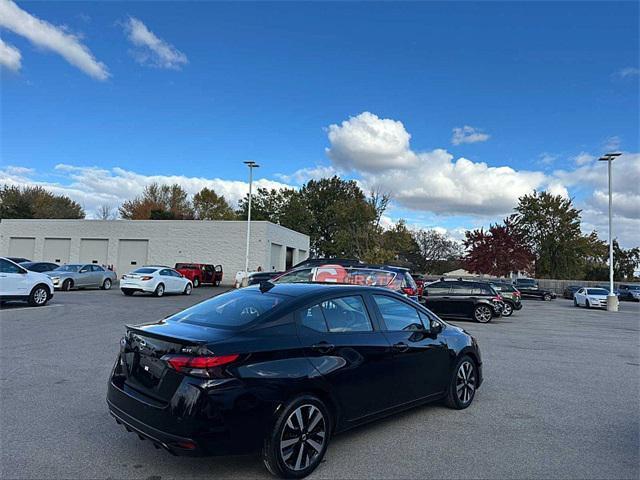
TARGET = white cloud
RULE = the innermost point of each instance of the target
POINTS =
(627, 72)
(367, 143)
(468, 134)
(303, 175)
(94, 186)
(433, 181)
(10, 56)
(152, 51)
(547, 158)
(583, 158)
(612, 143)
(50, 37)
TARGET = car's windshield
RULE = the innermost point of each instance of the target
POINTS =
(634, 287)
(69, 268)
(597, 291)
(145, 270)
(230, 310)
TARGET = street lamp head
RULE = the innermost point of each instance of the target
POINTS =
(609, 157)
(251, 164)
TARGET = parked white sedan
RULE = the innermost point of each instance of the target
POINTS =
(155, 280)
(591, 297)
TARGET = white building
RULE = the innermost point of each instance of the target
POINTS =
(128, 244)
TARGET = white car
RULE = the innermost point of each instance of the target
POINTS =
(18, 283)
(591, 297)
(156, 280)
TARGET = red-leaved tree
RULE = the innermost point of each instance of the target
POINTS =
(497, 251)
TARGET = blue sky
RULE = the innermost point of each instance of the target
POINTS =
(539, 84)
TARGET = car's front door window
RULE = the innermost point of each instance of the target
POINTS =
(397, 315)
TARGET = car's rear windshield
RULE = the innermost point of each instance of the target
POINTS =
(231, 310)
(145, 270)
(597, 291)
(185, 266)
(69, 268)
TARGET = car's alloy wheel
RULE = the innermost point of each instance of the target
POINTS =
(39, 296)
(303, 437)
(106, 285)
(547, 298)
(66, 285)
(159, 290)
(196, 282)
(299, 439)
(466, 382)
(187, 289)
(507, 310)
(482, 314)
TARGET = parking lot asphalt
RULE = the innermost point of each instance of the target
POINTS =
(560, 400)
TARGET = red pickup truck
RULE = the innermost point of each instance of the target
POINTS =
(200, 273)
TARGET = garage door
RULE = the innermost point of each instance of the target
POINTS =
(132, 254)
(276, 257)
(22, 247)
(94, 250)
(57, 250)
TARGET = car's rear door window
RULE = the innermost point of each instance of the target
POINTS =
(338, 315)
(397, 315)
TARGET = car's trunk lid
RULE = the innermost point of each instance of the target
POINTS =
(143, 348)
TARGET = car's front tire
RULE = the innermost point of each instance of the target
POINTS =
(547, 297)
(464, 383)
(482, 314)
(587, 304)
(299, 438)
(188, 289)
(66, 285)
(39, 296)
(106, 285)
(575, 302)
(159, 291)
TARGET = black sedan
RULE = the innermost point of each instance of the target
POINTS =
(281, 368)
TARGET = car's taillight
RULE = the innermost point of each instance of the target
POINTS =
(198, 366)
(497, 298)
(517, 293)
(409, 291)
(145, 278)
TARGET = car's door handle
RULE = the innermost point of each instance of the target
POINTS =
(446, 298)
(401, 347)
(323, 347)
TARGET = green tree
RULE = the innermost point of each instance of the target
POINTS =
(550, 225)
(438, 253)
(625, 262)
(159, 202)
(36, 202)
(208, 205)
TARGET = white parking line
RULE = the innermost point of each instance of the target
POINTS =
(7, 310)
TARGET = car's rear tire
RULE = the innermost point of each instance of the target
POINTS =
(106, 285)
(67, 285)
(507, 310)
(39, 296)
(217, 283)
(159, 291)
(188, 289)
(299, 438)
(482, 313)
(547, 297)
(463, 385)
(196, 282)
(127, 292)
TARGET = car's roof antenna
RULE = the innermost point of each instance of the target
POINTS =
(266, 285)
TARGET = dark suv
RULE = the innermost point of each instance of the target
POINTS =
(463, 299)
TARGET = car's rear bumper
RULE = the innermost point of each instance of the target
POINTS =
(136, 287)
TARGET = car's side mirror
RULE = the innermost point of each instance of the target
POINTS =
(435, 327)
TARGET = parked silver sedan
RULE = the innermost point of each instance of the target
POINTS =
(81, 275)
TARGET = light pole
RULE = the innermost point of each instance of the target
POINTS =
(612, 299)
(251, 164)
